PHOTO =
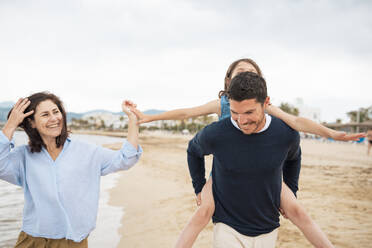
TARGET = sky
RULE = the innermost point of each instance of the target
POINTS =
(166, 54)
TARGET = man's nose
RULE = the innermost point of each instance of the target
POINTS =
(242, 119)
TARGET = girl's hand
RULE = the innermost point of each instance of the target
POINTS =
(142, 118)
(342, 136)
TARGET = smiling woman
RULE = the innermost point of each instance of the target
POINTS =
(47, 126)
(57, 172)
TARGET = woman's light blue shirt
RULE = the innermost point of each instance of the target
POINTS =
(61, 196)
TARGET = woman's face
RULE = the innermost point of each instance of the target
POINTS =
(48, 120)
(242, 67)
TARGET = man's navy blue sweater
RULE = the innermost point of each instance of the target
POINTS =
(247, 172)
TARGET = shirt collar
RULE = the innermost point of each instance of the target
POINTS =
(267, 124)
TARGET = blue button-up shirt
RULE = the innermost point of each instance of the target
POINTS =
(61, 196)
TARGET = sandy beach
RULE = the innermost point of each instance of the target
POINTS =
(158, 199)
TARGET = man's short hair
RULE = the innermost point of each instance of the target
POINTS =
(247, 85)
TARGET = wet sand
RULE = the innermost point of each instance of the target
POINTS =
(158, 200)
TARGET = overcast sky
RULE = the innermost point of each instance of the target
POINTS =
(167, 54)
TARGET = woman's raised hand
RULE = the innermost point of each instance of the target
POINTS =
(127, 107)
(17, 114)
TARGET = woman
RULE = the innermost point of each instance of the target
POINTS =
(60, 176)
(205, 199)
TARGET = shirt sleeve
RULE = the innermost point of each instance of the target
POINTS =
(123, 159)
(11, 161)
(292, 165)
(197, 149)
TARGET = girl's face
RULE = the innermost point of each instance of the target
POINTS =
(48, 120)
(242, 67)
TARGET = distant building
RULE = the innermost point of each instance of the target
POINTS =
(162, 123)
(109, 120)
(351, 127)
(306, 111)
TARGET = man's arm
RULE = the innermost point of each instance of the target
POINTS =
(292, 165)
(197, 149)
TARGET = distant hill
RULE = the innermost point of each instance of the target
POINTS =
(4, 113)
(6, 106)
(153, 111)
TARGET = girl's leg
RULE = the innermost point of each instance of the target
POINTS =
(200, 219)
(298, 216)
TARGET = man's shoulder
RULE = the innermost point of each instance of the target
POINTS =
(216, 129)
(221, 124)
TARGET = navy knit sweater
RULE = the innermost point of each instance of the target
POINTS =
(247, 172)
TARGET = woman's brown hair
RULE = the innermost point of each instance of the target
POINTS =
(35, 140)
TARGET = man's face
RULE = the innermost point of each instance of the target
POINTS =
(249, 114)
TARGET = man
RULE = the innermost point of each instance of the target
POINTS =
(251, 152)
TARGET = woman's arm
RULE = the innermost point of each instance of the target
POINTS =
(212, 107)
(11, 160)
(130, 152)
(132, 123)
(308, 126)
(298, 216)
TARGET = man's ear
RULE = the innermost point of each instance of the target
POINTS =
(267, 102)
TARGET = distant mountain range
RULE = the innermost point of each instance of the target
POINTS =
(6, 106)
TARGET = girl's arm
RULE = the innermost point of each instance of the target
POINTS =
(308, 126)
(298, 216)
(212, 107)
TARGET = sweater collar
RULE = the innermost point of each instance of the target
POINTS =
(267, 124)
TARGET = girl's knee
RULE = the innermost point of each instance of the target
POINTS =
(205, 212)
